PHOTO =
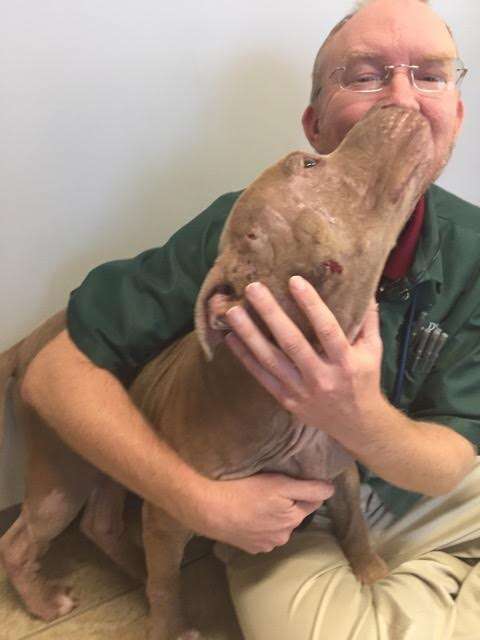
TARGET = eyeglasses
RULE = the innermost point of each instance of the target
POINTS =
(365, 75)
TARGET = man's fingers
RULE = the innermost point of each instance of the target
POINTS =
(271, 359)
(306, 508)
(311, 491)
(329, 333)
(288, 336)
(370, 330)
(270, 382)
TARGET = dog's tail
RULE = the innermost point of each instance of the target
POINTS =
(8, 364)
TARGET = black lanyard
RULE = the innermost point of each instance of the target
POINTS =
(400, 379)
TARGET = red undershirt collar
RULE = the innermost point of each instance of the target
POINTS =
(402, 255)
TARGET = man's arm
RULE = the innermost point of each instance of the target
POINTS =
(417, 456)
(91, 411)
(339, 392)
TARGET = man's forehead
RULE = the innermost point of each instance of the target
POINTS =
(354, 54)
(385, 30)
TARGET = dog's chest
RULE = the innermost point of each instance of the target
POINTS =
(308, 453)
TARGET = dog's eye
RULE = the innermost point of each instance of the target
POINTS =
(309, 162)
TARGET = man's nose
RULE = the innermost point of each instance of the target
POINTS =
(400, 91)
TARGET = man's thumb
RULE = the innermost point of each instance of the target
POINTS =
(308, 490)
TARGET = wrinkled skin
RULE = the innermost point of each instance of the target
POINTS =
(403, 31)
(332, 219)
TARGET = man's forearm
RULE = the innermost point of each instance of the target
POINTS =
(93, 414)
(418, 456)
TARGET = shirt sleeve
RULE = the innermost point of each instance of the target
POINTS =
(450, 395)
(126, 311)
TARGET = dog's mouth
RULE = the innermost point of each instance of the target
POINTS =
(219, 301)
(223, 298)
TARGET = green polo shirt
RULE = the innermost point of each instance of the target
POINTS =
(127, 311)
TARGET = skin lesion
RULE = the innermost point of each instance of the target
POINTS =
(333, 266)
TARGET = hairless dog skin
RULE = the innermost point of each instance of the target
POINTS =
(332, 219)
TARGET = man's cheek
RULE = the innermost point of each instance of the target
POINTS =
(441, 116)
(357, 108)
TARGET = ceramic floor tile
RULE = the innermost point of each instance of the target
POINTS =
(76, 562)
(123, 618)
(207, 602)
(111, 603)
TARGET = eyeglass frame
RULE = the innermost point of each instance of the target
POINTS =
(391, 67)
(388, 76)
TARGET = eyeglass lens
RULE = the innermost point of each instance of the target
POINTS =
(370, 75)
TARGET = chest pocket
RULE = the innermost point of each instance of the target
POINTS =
(427, 342)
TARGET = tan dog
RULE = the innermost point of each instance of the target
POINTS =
(332, 219)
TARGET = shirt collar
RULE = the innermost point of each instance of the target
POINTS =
(428, 263)
(427, 267)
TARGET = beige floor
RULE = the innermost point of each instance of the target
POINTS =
(110, 605)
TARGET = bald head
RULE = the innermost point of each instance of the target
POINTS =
(394, 34)
(364, 8)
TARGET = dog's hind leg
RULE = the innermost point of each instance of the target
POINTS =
(164, 540)
(57, 485)
(22, 547)
(103, 523)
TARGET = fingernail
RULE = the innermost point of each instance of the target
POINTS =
(329, 491)
(234, 313)
(254, 288)
(297, 282)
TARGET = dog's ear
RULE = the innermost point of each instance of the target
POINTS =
(209, 329)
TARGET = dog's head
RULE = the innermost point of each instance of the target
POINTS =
(332, 219)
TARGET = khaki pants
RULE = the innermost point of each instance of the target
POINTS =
(306, 590)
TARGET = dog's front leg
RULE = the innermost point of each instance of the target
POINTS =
(164, 540)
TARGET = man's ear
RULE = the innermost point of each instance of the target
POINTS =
(310, 125)
(460, 116)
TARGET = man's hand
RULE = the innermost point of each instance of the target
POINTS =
(260, 512)
(255, 514)
(337, 389)
(329, 388)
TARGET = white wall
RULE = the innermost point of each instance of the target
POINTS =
(120, 120)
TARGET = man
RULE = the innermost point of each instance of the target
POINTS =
(428, 448)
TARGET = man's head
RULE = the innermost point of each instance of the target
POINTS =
(394, 32)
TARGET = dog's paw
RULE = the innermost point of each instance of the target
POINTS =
(56, 603)
(191, 634)
(372, 570)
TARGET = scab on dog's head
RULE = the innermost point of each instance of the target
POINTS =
(327, 218)
(260, 242)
